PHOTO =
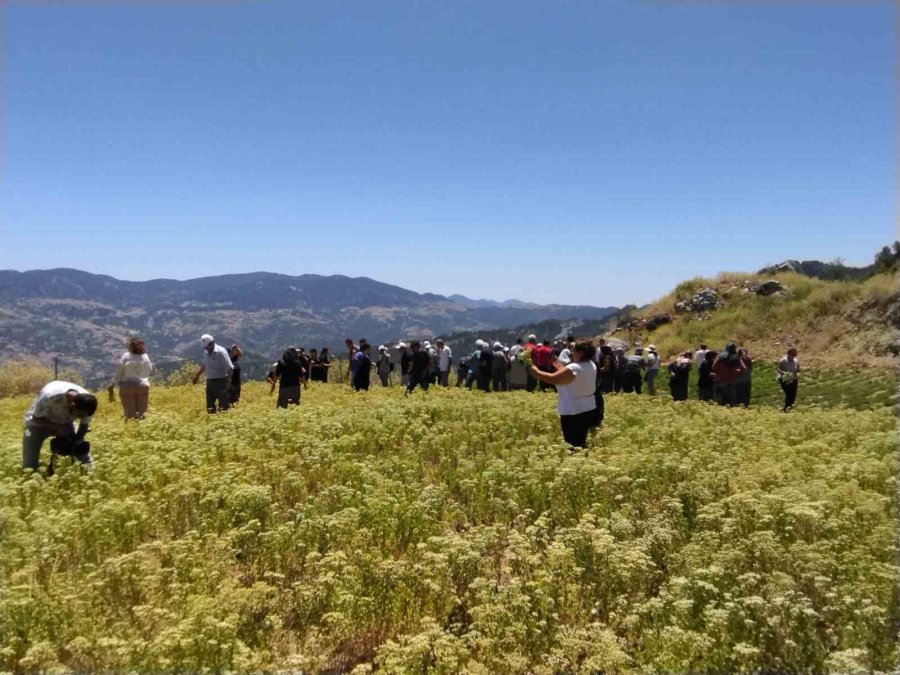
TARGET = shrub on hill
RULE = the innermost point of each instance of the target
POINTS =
(27, 377)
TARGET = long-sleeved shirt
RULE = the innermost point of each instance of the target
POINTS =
(726, 372)
(218, 363)
(133, 368)
(51, 404)
(444, 361)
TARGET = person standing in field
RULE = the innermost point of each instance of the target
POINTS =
(607, 369)
(530, 346)
(700, 355)
(384, 365)
(462, 371)
(485, 366)
(445, 359)
(652, 370)
(405, 363)
(788, 374)
(324, 364)
(726, 370)
(133, 379)
(288, 375)
(705, 382)
(499, 369)
(575, 384)
(364, 370)
(315, 368)
(541, 357)
(565, 353)
(218, 368)
(418, 371)
(621, 362)
(744, 382)
(679, 374)
(352, 364)
(235, 354)
(53, 413)
(515, 349)
(634, 371)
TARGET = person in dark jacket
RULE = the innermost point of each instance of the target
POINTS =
(607, 369)
(364, 368)
(679, 374)
(619, 377)
(705, 383)
(485, 367)
(419, 367)
(288, 374)
(235, 391)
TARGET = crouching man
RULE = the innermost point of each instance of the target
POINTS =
(53, 413)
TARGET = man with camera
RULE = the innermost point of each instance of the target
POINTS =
(53, 413)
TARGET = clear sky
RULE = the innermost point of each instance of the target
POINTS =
(581, 152)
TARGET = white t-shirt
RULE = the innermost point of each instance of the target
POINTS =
(444, 362)
(565, 356)
(652, 361)
(51, 404)
(133, 368)
(578, 397)
(700, 356)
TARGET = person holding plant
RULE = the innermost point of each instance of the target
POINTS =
(788, 374)
(133, 379)
(575, 384)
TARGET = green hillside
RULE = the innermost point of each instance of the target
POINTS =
(834, 324)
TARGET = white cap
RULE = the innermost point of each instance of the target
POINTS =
(426, 344)
(651, 348)
(206, 338)
(400, 345)
(381, 347)
(532, 337)
(497, 344)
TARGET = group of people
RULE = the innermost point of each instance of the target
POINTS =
(579, 372)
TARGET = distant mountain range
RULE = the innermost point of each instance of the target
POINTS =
(84, 318)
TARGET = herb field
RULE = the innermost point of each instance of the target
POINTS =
(452, 531)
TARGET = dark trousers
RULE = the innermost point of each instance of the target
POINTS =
(601, 409)
(530, 382)
(790, 394)
(461, 377)
(679, 390)
(618, 382)
(726, 394)
(417, 380)
(484, 379)
(218, 389)
(575, 427)
(385, 378)
(743, 393)
(499, 381)
(705, 393)
(631, 382)
(607, 383)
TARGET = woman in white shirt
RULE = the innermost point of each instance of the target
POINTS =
(133, 378)
(575, 384)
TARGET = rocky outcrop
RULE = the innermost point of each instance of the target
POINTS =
(704, 300)
(769, 287)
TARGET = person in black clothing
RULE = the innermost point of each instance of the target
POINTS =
(361, 377)
(619, 376)
(405, 363)
(288, 374)
(485, 367)
(462, 371)
(324, 364)
(235, 353)
(607, 369)
(315, 372)
(418, 371)
(679, 373)
(705, 384)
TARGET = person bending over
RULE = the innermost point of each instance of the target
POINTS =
(53, 413)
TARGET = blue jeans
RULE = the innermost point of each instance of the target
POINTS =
(34, 437)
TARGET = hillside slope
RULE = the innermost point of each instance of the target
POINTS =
(832, 323)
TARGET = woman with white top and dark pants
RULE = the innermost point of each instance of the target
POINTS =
(575, 384)
(133, 378)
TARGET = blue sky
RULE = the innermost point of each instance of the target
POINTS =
(578, 152)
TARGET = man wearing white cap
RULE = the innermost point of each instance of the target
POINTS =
(218, 368)
(384, 365)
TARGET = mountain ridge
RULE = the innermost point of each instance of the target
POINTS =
(83, 318)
